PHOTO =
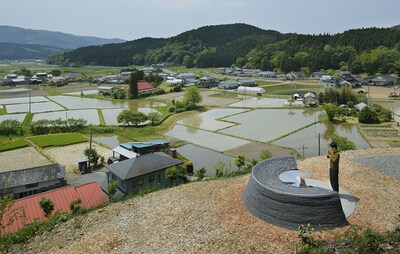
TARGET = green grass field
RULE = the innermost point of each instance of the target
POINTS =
(58, 139)
(19, 143)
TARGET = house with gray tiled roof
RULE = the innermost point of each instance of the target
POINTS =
(142, 171)
(29, 181)
(207, 82)
(384, 80)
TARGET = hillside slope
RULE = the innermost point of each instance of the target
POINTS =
(209, 217)
(14, 51)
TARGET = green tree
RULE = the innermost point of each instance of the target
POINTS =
(138, 118)
(265, 154)
(133, 82)
(125, 117)
(384, 114)
(47, 206)
(172, 173)
(367, 115)
(10, 127)
(112, 188)
(153, 117)
(94, 156)
(192, 97)
(56, 73)
(200, 173)
(240, 161)
(343, 143)
(25, 72)
(331, 110)
(128, 117)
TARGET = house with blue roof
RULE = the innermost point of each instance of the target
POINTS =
(134, 149)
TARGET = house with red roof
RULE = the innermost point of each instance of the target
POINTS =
(90, 194)
(143, 86)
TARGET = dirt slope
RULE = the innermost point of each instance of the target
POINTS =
(209, 217)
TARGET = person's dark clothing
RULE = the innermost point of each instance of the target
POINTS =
(334, 157)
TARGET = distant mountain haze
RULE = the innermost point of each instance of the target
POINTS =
(47, 38)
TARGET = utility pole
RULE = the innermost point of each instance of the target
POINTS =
(90, 148)
(319, 143)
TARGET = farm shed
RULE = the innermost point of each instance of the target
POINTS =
(250, 90)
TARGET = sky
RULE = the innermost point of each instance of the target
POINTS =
(134, 19)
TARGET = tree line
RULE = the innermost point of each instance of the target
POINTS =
(369, 50)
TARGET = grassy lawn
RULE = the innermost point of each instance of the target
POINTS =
(58, 139)
(15, 144)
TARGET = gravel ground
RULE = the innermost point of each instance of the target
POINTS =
(68, 155)
(388, 164)
(209, 217)
(21, 158)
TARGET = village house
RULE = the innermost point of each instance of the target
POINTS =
(207, 82)
(144, 86)
(186, 75)
(29, 181)
(384, 80)
(347, 79)
(266, 74)
(295, 75)
(134, 149)
(317, 74)
(75, 75)
(328, 82)
(246, 82)
(142, 171)
(228, 85)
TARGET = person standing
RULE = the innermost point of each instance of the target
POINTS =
(334, 157)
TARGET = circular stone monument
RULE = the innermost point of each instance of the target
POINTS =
(289, 203)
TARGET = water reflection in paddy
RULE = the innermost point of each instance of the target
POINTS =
(259, 102)
(34, 107)
(23, 100)
(19, 117)
(90, 115)
(198, 154)
(309, 138)
(111, 141)
(203, 138)
(268, 124)
(72, 102)
(207, 120)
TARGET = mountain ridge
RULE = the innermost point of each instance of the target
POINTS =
(20, 35)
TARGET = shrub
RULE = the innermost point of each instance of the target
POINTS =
(331, 110)
(200, 173)
(47, 206)
(343, 143)
(265, 154)
(367, 115)
(75, 206)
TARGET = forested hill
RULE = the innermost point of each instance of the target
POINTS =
(217, 45)
(14, 51)
(360, 50)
